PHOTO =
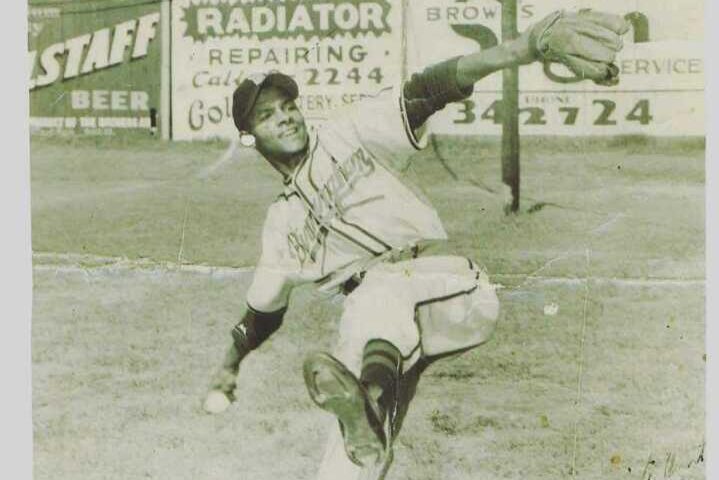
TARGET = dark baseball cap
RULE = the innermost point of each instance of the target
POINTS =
(245, 96)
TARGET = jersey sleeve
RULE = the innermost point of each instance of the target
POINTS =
(430, 90)
(379, 124)
(274, 276)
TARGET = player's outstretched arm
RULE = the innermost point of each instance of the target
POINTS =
(586, 42)
(267, 301)
(475, 66)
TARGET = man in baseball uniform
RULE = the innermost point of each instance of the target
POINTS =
(348, 222)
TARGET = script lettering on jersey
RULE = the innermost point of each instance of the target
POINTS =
(328, 204)
(305, 242)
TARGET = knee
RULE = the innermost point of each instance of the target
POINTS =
(378, 313)
(377, 305)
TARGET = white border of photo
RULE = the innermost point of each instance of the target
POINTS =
(15, 252)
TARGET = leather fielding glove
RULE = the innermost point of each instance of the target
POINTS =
(586, 42)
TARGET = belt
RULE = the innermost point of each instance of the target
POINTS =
(390, 257)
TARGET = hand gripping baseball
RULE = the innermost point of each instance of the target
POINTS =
(586, 42)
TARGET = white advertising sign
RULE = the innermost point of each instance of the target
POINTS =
(662, 71)
(337, 51)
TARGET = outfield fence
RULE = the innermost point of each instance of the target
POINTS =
(169, 67)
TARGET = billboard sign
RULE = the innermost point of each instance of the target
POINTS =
(661, 91)
(337, 51)
(94, 68)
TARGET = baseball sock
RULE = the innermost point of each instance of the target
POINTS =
(381, 363)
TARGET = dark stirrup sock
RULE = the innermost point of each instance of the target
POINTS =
(381, 363)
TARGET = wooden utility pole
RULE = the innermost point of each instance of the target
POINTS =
(165, 70)
(510, 113)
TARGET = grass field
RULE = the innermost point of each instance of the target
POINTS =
(127, 327)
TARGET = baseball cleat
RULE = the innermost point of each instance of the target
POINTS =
(337, 390)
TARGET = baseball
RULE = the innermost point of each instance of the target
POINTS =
(216, 402)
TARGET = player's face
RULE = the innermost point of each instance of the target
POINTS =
(277, 124)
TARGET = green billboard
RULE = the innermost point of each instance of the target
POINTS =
(94, 65)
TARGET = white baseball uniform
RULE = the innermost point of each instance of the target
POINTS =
(347, 212)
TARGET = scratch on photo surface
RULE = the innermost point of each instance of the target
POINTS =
(189, 323)
(182, 235)
(604, 227)
(59, 97)
(64, 232)
(224, 158)
(532, 275)
(580, 366)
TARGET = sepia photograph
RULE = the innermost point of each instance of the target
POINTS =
(367, 239)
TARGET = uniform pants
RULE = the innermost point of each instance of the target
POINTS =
(426, 307)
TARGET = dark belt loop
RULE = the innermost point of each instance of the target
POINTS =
(352, 283)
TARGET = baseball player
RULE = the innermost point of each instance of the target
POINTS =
(348, 222)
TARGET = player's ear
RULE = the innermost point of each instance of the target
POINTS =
(247, 139)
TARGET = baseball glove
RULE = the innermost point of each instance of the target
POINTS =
(586, 42)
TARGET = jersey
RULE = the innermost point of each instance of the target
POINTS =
(345, 204)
